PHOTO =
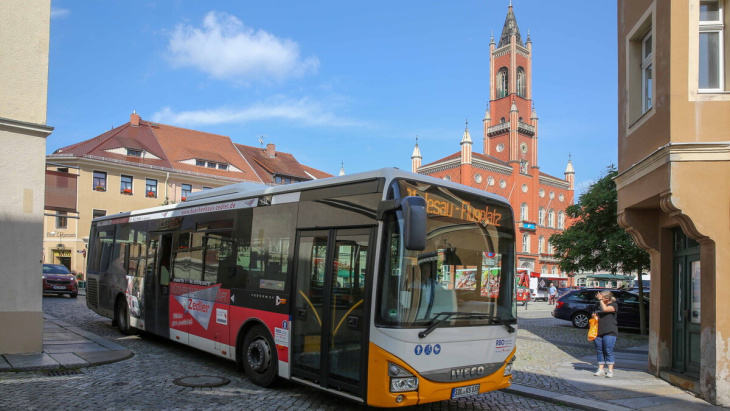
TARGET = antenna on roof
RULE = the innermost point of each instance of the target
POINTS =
(261, 140)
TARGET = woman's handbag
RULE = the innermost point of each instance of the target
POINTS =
(593, 328)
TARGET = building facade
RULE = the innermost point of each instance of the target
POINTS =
(508, 165)
(24, 43)
(143, 164)
(674, 180)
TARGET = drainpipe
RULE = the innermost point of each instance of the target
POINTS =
(167, 177)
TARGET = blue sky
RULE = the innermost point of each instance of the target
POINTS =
(333, 81)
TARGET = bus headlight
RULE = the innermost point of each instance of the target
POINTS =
(400, 379)
(508, 367)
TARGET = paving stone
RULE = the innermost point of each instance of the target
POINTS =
(37, 361)
(69, 360)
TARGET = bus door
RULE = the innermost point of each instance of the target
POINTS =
(157, 281)
(330, 315)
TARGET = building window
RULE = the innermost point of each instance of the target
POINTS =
(61, 219)
(551, 218)
(525, 243)
(186, 190)
(134, 153)
(561, 220)
(541, 216)
(211, 164)
(523, 212)
(541, 245)
(502, 83)
(646, 72)
(125, 186)
(554, 270)
(543, 270)
(99, 181)
(521, 82)
(97, 213)
(711, 59)
(222, 166)
(550, 249)
(151, 188)
(200, 163)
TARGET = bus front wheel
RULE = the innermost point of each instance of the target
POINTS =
(259, 357)
(121, 317)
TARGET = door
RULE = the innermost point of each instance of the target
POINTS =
(687, 308)
(157, 281)
(330, 321)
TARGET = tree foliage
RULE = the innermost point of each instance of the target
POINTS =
(594, 241)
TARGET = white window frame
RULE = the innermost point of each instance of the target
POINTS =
(524, 212)
(714, 26)
(561, 219)
(541, 216)
(541, 245)
(647, 76)
(503, 82)
(521, 82)
(525, 243)
(544, 270)
(551, 218)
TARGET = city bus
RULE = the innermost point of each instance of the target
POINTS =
(368, 286)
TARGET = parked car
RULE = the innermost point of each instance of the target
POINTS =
(577, 306)
(57, 279)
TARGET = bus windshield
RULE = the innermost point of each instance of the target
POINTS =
(465, 276)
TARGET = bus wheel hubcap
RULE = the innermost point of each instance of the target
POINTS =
(259, 355)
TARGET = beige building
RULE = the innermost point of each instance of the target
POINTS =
(24, 42)
(674, 180)
(143, 164)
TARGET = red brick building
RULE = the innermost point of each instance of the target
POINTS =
(509, 163)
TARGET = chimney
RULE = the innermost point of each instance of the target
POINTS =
(271, 150)
(134, 119)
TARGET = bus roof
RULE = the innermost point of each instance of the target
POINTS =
(249, 190)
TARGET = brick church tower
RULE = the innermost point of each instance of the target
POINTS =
(508, 165)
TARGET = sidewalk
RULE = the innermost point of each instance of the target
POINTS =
(631, 388)
(66, 346)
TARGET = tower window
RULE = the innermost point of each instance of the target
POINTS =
(521, 82)
(502, 83)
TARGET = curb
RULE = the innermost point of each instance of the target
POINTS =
(562, 399)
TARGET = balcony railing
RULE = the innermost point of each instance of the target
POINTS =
(526, 128)
(498, 129)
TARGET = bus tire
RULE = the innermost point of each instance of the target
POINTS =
(259, 358)
(121, 316)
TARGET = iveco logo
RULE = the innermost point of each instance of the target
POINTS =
(467, 372)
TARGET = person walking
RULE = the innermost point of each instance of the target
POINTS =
(553, 293)
(606, 309)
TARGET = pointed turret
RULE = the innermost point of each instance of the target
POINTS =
(466, 146)
(486, 122)
(510, 28)
(570, 173)
(342, 169)
(416, 158)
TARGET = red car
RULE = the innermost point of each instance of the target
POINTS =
(57, 279)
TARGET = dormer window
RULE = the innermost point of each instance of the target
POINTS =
(134, 153)
(211, 164)
(200, 163)
(222, 166)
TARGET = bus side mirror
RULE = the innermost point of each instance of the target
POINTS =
(414, 221)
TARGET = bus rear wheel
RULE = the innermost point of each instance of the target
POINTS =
(121, 317)
(259, 357)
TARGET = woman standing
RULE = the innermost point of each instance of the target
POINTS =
(606, 309)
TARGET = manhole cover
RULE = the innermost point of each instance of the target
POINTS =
(201, 381)
(62, 373)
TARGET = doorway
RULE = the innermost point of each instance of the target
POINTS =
(330, 321)
(686, 354)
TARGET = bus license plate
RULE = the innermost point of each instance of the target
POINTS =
(459, 392)
(59, 287)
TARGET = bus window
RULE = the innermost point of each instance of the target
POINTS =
(188, 257)
(267, 258)
(218, 255)
(102, 249)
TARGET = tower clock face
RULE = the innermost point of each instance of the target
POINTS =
(523, 147)
(500, 147)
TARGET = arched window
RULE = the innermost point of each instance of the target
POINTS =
(551, 218)
(525, 243)
(521, 82)
(543, 270)
(541, 216)
(554, 270)
(502, 120)
(541, 245)
(523, 212)
(550, 248)
(502, 83)
(561, 219)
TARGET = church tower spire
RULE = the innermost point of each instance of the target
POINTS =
(416, 158)
(510, 133)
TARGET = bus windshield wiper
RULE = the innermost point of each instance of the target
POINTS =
(461, 315)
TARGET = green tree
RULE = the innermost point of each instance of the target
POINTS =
(595, 242)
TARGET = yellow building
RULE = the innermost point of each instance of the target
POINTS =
(143, 164)
(674, 180)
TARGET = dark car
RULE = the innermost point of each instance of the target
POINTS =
(57, 279)
(577, 306)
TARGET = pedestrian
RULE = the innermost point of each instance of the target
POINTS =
(553, 293)
(606, 309)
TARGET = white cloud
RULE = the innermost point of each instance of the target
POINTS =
(304, 111)
(57, 13)
(227, 50)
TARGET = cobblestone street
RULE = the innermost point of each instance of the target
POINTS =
(146, 380)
